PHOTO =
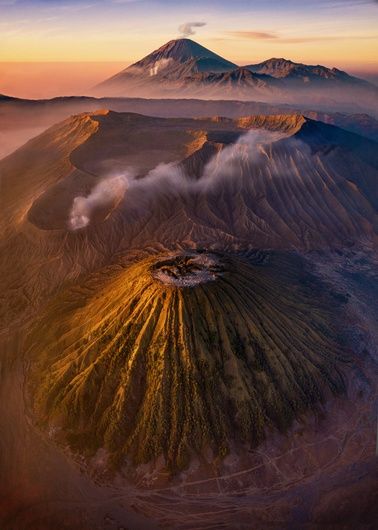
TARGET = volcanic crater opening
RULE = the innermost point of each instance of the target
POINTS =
(188, 269)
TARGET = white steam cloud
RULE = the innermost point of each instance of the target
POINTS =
(229, 163)
(226, 164)
(165, 174)
(246, 149)
(160, 65)
(106, 194)
(186, 29)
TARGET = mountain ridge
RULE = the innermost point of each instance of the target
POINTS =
(239, 177)
(282, 68)
(187, 68)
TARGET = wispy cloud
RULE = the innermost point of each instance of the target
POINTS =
(332, 4)
(298, 40)
(187, 29)
(262, 35)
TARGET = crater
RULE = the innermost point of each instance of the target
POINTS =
(188, 269)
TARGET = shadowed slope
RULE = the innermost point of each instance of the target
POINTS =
(180, 353)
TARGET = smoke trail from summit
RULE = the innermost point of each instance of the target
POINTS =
(186, 30)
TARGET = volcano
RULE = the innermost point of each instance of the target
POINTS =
(279, 182)
(183, 352)
(186, 52)
(184, 68)
(176, 61)
(276, 181)
(206, 338)
(303, 73)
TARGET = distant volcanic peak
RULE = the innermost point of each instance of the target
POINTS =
(283, 68)
(184, 68)
(175, 60)
(181, 50)
(160, 369)
(277, 62)
(299, 74)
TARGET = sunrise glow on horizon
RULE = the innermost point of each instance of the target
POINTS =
(330, 32)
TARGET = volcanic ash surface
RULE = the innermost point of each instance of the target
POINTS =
(187, 270)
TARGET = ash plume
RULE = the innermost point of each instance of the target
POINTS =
(186, 30)
(107, 193)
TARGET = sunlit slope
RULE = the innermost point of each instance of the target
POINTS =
(181, 353)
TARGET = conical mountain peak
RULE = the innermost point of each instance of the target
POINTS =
(184, 68)
(181, 51)
(189, 351)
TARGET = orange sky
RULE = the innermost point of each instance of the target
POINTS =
(51, 47)
(44, 80)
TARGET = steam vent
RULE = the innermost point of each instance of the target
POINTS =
(184, 352)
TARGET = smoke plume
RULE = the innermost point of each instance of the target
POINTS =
(186, 29)
(228, 164)
(246, 149)
(224, 165)
(107, 193)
